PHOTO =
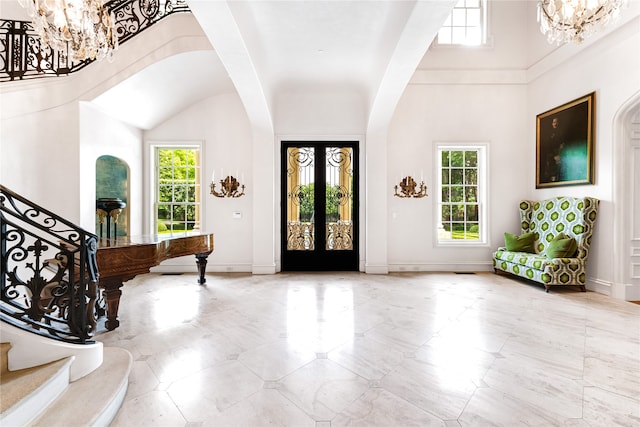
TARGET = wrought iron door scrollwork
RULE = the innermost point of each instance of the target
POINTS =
(300, 236)
(340, 236)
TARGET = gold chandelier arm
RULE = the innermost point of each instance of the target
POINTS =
(214, 192)
(228, 188)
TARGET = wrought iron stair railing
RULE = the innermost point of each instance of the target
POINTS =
(49, 275)
(23, 56)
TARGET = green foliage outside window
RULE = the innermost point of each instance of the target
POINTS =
(459, 195)
(307, 202)
(178, 186)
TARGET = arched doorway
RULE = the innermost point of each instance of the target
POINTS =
(626, 256)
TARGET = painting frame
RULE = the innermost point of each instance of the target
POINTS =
(565, 144)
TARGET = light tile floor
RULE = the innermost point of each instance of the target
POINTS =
(349, 349)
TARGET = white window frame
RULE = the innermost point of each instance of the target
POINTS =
(153, 180)
(462, 9)
(483, 168)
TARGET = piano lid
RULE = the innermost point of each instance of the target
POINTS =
(152, 239)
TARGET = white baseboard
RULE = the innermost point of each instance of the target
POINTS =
(262, 269)
(376, 269)
(600, 286)
(625, 291)
(631, 292)
(454, 267)
(211, 268)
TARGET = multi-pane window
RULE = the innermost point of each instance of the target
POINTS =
(177, 189)
(466, 25)
(461, 194)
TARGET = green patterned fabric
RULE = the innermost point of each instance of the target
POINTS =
(575, 217)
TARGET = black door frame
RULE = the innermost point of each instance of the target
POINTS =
(320, 259)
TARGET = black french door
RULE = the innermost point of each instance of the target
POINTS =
(319, 206)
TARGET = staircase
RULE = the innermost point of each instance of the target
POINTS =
(52, 372)
(44, 395)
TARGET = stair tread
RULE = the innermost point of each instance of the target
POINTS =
(16, 385)
(86, 399)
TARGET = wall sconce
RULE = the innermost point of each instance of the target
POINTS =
(408, 188)
(229, 187)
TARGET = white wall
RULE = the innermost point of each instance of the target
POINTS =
(610, 67)
(102, 135)
(492, 95)
(505, 41)
(40, 158)
(40, 121)
(221, 125)
(57, 151)
(322, 111)
(435, 113)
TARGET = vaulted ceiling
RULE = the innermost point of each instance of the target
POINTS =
(271, 47)
(265, 49)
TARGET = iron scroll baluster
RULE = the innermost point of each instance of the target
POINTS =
(23, 56)
(49, 278)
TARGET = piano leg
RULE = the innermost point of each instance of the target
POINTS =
(201, 261)
(112, 292)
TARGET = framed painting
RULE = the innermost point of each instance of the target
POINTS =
(565, 144)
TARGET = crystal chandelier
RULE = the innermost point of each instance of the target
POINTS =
(574, 20)
(84, 27)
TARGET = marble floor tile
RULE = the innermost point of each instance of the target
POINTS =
(619, 344)
(142, 380)
(536, 385)
(477, 332)
(406, 330)
(213, 390)
(320, 332)
(490, 407)
(377, 407)
(274, 361)
(263, 408)
(453, 354)
(622, 377)
(151, 409)
(350, 349)
(603, 408)
(367, 357)
(323, 388)
(443, 392)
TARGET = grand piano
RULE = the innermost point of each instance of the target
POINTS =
(122, 258)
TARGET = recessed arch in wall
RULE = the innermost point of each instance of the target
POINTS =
(112, 181)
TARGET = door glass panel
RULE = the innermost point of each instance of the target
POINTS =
(300, 198)
(339, 198)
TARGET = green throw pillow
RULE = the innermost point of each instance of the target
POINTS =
(521, 243)
(562, 246)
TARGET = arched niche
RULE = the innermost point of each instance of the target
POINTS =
(112, 182)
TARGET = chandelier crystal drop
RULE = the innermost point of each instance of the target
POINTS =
(84, 27)
(566, 21)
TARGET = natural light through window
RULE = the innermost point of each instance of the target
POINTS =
(177, 189)
(461, 194)
(466, 25)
